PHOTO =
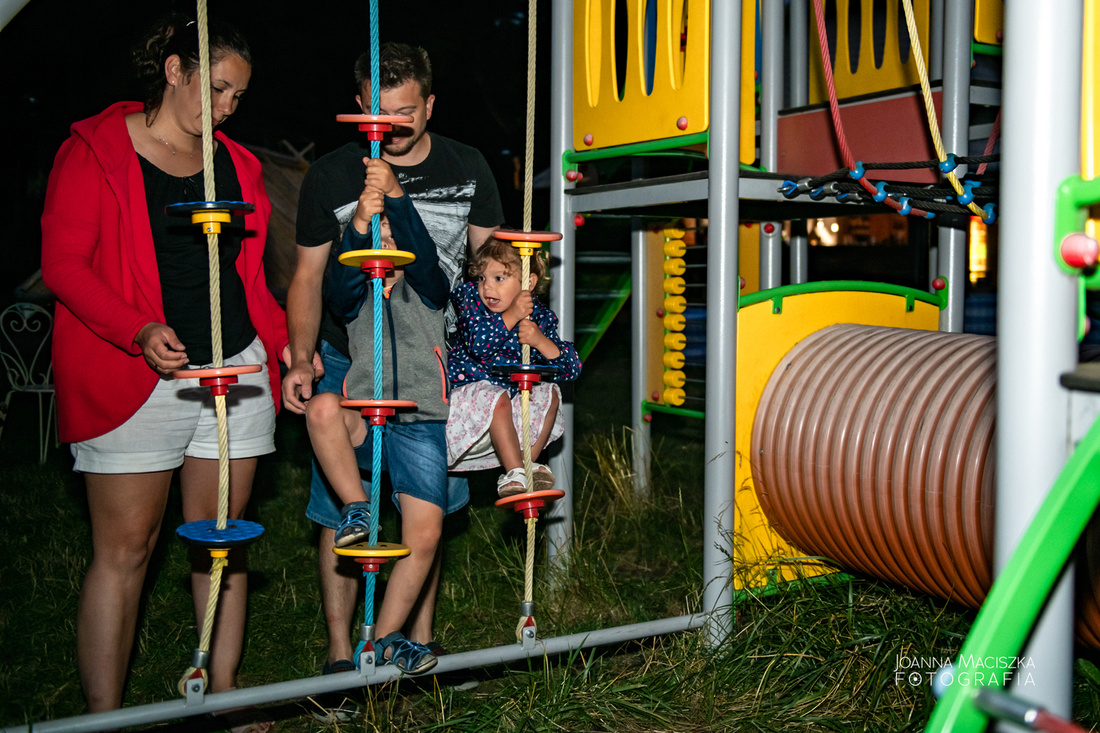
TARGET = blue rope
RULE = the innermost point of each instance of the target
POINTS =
(375, 105)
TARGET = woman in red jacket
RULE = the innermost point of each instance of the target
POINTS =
(132, 287)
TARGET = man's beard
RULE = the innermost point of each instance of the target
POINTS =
(398, 150)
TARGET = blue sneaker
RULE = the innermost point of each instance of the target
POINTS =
(354, 524)
(408, 656)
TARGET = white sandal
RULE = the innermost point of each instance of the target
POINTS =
(542, 479)
(512, 483)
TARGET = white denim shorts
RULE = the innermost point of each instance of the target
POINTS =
(179, 419)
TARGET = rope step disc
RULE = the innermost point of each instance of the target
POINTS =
(381, 550)
(526, 242)
(526, 376)
(378, 410)
(375, 125)
(377, 262)
(530, 502)
(217, 379)
(205, 533)
(210, 214)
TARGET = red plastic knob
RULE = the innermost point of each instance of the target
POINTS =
(648, 417)
(580, 176)
(572, 175)
(742, 283)
(769, 228)
(939, 284)
(656, 396)
(682, 123)
(660, 312)
(578, 220)
(1079, 250)
(1000, 36)
(588, 139)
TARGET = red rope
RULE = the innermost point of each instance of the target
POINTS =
(834, 108)
(991, 142)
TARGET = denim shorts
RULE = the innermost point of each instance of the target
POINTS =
(414, 455)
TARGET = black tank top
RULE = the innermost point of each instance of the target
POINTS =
(183, 263)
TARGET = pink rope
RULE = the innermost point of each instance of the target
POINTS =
(991, 142)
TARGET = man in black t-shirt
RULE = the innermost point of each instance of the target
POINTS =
(456, 196)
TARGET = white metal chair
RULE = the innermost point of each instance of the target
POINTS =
(25, 350)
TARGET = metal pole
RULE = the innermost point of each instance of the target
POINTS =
(799, 66)
(799, 72)
(936, 60)
(771, 99)
(1037, 309)
(251, 696)
(559, 520)
(800, 252)
(956, 139)
(722, 295)
(639, 351)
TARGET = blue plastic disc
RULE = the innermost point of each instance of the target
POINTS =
(205, 533)
(190, 207)
(543, 370)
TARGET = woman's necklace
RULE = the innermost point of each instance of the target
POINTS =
(172, 147)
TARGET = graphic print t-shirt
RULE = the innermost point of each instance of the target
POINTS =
(451, 188)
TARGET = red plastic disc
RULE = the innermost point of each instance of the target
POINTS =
(228, 371)
(514, 235)
(529, 503)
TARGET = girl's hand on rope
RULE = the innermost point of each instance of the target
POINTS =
(163, 351)
(520, 308)
(531, 335)
(380, 175)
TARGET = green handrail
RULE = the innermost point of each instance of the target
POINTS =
(776, 295)
(1020, 592)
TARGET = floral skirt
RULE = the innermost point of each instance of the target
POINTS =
(469, 447)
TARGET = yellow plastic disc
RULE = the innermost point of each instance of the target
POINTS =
(674, 322)
(673, 378)
(382, 549)
(673, 396)
(675, 248)
(674, 232)
(673, 285)
(673, 359)
(396, 257)
(675, 341)
(674, 266)
(675, 304)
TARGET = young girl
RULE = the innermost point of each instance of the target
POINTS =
(496, 316)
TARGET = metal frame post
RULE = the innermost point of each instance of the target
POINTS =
(798, 66)
(771, 99)
(1036, 316)
(953, 242)
(722, 301)
(559, 524)
(639, 350)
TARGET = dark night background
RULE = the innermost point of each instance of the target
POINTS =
(64, 60)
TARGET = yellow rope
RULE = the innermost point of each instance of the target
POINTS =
(529, 153)
(525, 398)
(218, 563)
(930, 110)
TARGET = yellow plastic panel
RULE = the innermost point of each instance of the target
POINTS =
(763, 338)
(989, 21)
(749, 260)
(867, 78)
(679, 101)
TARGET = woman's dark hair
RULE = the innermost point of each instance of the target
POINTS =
(179, 36)
(505, 253)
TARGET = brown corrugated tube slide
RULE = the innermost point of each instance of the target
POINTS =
(874, 447)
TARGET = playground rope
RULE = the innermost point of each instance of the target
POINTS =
(219, 560)
(929, 108)
(525, 394)
(834, 109)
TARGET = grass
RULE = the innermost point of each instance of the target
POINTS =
(814, 656)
